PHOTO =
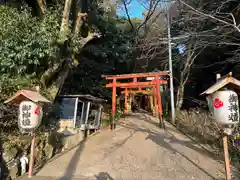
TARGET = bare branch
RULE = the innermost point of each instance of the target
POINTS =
(221, 6)
(128, 16)
(234, 20)
(149, 13)
(210, 16)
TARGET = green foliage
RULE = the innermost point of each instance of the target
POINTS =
(28, 44)
(110, 54)
(10, 84)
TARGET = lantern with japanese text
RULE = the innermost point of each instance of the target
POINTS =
(30, 109)
(223, 103)
(30, 115)
(225, 107)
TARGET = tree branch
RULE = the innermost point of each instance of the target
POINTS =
(128, 16)
(81, 18)
(42, 5)
(150, 13)
(210, 16)
(65, 20)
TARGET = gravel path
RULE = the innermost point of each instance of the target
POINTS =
(136, 150)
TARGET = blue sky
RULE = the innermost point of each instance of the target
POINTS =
(135, 9)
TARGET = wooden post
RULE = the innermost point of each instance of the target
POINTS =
(161, 124)
(226, 157)
(113, 123)
(126, 101)
(225, 148)
(32, 151)
(31, 162)
(155, 101)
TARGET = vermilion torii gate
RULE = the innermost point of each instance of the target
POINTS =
(148, 91)
(155, 83)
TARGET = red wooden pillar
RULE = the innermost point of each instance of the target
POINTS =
(113, 123)
(126, 101)
(161, 124)
(155, 101)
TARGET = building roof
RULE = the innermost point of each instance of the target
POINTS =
(86, 97)
(226, 80)
(27, 95)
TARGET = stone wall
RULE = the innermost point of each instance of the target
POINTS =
(47, 145)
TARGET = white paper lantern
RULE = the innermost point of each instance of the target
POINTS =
(30, 115)
(225, 107)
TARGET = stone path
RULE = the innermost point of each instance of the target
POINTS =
(136, 150)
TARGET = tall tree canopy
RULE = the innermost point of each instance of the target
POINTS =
(64, 47)
(43, 41)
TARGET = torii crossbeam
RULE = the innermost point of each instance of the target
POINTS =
(136, 84)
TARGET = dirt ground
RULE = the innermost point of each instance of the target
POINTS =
(137, 150)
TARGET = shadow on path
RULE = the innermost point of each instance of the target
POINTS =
(71, 169)
(119, 144)
(159, 139)
(103, 176)
(190, 144)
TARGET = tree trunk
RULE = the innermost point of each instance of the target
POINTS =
(184, 74)
(180, 96)
(61, 69)
(65, 20)
(81, 17)
(63, 34)
(42, 5)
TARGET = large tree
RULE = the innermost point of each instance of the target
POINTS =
(45, 43)
(46, 39)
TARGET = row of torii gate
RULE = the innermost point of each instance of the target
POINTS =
(138, 84)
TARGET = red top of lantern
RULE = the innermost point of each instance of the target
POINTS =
(27, 95)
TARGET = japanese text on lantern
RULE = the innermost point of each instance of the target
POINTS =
(233, 108)
(26, 109)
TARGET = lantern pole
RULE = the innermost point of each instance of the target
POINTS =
(31, 162)
(225, 148)
(226, 157)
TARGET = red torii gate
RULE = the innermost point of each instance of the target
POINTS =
(135, 84)
(126, 92)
